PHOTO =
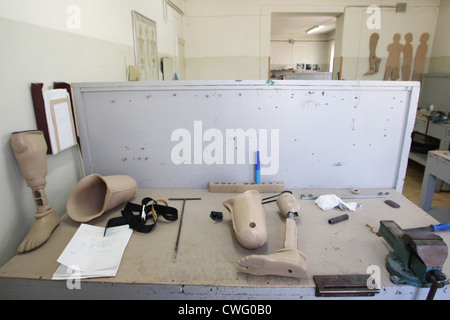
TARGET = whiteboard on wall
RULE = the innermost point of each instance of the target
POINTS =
(310, 134)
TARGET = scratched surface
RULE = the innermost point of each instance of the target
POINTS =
(311, 134)
(209, 252)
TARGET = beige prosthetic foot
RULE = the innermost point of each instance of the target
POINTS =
(30, 149)
(249, 219)
(288, 262)
(93, 195)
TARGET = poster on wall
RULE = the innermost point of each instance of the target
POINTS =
(145, 47)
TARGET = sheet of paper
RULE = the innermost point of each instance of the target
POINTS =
(91, 253)
(64, 272)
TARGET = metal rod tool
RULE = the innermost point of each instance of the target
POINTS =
(181, 222)
(349, 196)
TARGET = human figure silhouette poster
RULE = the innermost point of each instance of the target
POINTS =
(395, 49)
(145, 46)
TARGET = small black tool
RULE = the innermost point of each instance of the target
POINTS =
(338, 219)
(216, 215)
(392, 204)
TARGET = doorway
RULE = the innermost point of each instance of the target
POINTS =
(302, 45)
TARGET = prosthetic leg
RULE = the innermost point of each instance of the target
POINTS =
(249, 219)
(30, 151)
(288, 262)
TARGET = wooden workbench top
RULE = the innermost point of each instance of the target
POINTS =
(208, 251)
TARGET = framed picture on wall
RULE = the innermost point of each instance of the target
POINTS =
(145, 47)
(60, 123)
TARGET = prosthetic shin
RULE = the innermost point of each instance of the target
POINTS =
(288, 262)
(30, 151)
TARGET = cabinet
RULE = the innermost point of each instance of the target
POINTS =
(440, 131)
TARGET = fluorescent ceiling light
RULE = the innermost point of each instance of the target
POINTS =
(313, 29)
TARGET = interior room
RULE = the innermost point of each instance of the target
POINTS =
(302, 44)
(355, 91)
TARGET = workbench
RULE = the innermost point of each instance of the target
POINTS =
(437, 167)
(208, 253)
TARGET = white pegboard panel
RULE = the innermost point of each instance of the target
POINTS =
(310, 134)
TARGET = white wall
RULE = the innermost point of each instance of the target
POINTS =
(222, 47)
(355, 40)
(38, 46)
(231, 39)
(107, 20)
(440, 54)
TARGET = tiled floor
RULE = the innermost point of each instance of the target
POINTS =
(412, 188)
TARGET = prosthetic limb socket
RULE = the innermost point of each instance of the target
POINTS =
(30, 151)
(249, 219)
(95, 194)
(288, 262)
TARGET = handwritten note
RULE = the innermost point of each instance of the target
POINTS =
(91, 254)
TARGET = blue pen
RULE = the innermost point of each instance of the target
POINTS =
(257, 169)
